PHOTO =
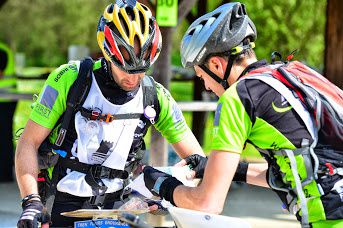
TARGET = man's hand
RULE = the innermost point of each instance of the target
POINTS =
(197, 164)
(156, 207)
(33, 212)
(153, 179)
(160, 183)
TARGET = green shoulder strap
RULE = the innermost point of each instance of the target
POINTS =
(76, 96)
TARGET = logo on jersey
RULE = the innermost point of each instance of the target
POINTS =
(281, 109)
(59, 75)
(42, 110)
(177, 116)
(46, 101)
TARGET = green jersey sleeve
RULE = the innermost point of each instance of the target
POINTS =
(52, 99)
(171, 122)
(232, 125)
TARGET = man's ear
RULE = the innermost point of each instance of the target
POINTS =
(217, 65)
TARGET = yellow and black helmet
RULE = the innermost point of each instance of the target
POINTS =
(129, 36)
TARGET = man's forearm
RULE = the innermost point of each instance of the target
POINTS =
(256, 174)
(210, 195)
(188, 146)
(26, 166)
(197, 199)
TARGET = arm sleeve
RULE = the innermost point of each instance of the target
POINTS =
(171, 122)
(52, 99)
(232, 124)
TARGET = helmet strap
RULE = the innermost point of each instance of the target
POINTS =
(213, 75)
(223, 82)
(228, 70)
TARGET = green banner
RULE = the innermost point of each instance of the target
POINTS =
(166, 12)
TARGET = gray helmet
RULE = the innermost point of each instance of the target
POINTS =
(216, 32)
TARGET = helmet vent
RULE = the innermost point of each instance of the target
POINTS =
(130, 13)
(137, 46)
(110, 9)
(123, 24)
(244, 9)
(145, 8)
(141, 18)
(203, 23)
(240, 11)
(191, 32)
(114, 29)
(125, 54)
(216, 15)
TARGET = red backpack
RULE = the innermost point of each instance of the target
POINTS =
(322, 99)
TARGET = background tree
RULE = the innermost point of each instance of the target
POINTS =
(45, 29)
(334, 42)
(162, 74)
(2, 2)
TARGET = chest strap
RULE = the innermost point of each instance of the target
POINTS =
(94, 174)
(94, 115)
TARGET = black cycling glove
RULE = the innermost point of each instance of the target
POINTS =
(33, 213)
(160, 183)
(198, 164)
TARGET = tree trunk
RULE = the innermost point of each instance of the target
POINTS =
(162, 69)
(2, 2)
(334, 42)
(162, 74)
(199, 118)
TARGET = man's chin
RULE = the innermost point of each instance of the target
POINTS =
(129, 88)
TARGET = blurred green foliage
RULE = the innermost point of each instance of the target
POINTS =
(43, 30)
(281, 26)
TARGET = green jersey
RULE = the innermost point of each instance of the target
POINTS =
(251, 111)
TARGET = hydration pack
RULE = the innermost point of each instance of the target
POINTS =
(319, 103)
(321, 98)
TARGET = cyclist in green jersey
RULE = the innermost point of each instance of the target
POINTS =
(105, 137)
(219, 46)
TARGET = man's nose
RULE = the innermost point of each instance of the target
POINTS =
(133, 77)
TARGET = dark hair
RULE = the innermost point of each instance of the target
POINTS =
(248, 53)
(3, 60)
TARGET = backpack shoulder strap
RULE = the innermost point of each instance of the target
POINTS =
(289, 96)
(76, 96)
(150, 95)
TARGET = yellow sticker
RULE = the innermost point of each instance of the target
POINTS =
(166, 13)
